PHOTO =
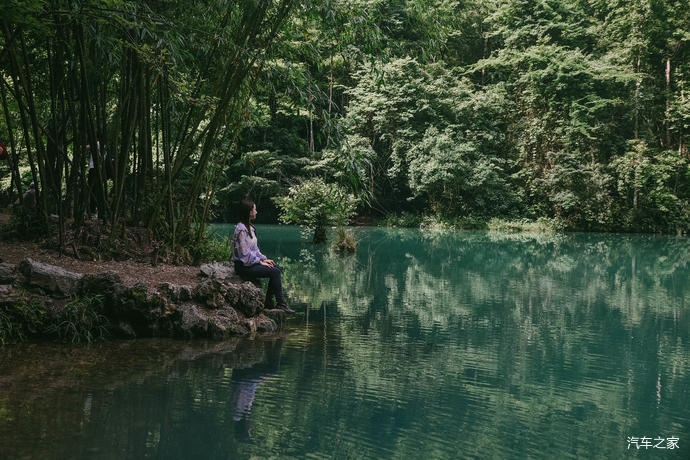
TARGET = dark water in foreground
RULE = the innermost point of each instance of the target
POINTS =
(439, 345)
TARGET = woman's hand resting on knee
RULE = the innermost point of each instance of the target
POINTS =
(268, 263)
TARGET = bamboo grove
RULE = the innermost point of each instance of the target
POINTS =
(126, 108)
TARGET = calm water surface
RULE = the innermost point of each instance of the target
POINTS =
(421, 345)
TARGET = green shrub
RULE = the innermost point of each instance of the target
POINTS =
(316, 205)
(440, 223)
(435, 223)
(81, 320)
(21, 319)
(213, 247)
(543, 224)
(470, 223)
(25, 224)
(345, 242)
(404, 220)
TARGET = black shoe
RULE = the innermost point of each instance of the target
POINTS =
(285, 307)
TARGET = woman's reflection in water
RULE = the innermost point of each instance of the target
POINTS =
(244, 383)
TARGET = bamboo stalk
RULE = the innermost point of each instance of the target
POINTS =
(14, 157)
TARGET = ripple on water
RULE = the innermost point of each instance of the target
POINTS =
(562, 356)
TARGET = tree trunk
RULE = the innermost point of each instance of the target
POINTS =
(21, 87)
(128, 113)
(48, 185)
(13, 157)
(681, 134)
(25, 132)
(484, 51)
(56, 133)
(319, 235)
(637, 99)
(330, 99)
(90, 128)
(667, 119)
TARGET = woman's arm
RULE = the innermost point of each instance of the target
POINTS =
(245, 251)
(258, 253)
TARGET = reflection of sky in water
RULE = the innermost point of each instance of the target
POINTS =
(420, 345)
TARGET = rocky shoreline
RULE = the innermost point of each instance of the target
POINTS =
(219, 306)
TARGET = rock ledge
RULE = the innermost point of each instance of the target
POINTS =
(220, 306)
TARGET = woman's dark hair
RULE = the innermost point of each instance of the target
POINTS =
(245, 209)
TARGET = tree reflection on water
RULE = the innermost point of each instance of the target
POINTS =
(421, 344)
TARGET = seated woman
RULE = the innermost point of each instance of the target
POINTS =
(250, 263)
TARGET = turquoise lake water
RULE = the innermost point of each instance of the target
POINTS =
(421, 345)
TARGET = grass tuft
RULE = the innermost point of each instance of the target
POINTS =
(21, 319)
(345, 242)
(81, 320)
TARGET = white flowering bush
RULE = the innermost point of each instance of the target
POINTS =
(316, 205)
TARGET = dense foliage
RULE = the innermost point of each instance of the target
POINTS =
(574, 111)
(571, 111)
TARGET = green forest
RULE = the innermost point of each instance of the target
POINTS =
(161, 114)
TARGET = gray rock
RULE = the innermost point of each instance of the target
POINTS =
(144, 309)
(194, 320)
(8, 294)
(245, 298)
(265, 324)
(106, 284)
(261, 323)
(103, 282)
(7, 273)
(140, 291)
(175, 292)
(185, 293)
(225, 323)
(219, 307)
(218, 324)
(126, 329)
(52, 279)
(210, 292)
(219, 270)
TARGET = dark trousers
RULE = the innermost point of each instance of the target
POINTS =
(275, 283)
